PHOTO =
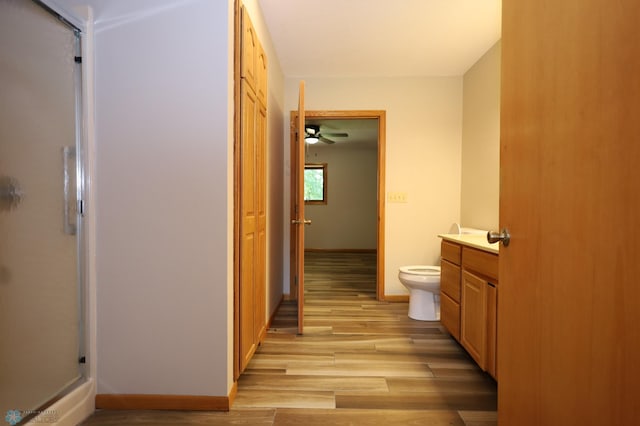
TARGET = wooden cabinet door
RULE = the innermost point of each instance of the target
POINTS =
(569, 297)
(473, 312)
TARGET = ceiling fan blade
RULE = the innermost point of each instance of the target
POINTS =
(336, 135)
(327, 141)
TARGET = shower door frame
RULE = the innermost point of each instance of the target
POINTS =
(80, 162)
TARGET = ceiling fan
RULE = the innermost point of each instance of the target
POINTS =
(312, 134)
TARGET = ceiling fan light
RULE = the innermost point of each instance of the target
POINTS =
(311, 139)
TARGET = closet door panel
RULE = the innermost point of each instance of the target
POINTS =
(248, 211)
(261, 228)
(249, 51)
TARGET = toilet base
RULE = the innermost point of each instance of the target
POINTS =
(424, 305)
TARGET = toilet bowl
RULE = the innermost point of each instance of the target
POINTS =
(423, 283)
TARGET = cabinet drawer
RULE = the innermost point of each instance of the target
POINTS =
(450, 279)
(450, 252)
(450, 315)
(481, 262)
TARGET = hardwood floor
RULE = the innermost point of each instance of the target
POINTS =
(360, 362)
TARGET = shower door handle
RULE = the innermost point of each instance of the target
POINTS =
(10, 193)
(68, 188)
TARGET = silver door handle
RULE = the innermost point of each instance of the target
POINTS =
(68, 188)
(298, 222)
(494, 237)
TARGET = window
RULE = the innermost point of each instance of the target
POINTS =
(315, 183)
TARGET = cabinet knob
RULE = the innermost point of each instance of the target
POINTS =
(494, 237)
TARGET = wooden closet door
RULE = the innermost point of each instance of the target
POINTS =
(249, 225)
(298, 195)
(249, 46)
(260, 307)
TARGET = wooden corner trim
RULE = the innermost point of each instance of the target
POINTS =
(166, 402)
(232, 394)
(275, 311)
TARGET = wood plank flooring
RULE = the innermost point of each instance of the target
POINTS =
(360, 362)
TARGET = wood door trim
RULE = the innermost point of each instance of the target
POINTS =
(380, 115)
(236, 190)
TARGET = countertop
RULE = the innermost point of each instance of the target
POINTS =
(478, 241)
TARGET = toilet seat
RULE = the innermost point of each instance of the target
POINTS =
(421, 270)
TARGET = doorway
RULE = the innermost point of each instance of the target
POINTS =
(317, 118)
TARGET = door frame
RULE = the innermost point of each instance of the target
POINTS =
(380, 115)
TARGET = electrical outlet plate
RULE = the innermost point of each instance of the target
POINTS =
(397, 197)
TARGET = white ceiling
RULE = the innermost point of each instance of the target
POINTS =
(352, 38)
(356, 38)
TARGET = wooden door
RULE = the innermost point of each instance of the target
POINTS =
(248, 228)
(297, 213)
(569, 299)
(260, 296)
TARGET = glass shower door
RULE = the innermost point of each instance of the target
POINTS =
(40, 301)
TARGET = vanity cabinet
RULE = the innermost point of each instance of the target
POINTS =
(468, 300)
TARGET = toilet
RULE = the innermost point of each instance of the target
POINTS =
(423, 283)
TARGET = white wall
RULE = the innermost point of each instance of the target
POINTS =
(479, 202)
(423, 143)
(164, 197)
(349, 219)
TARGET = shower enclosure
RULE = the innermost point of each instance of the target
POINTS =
(41, 185)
